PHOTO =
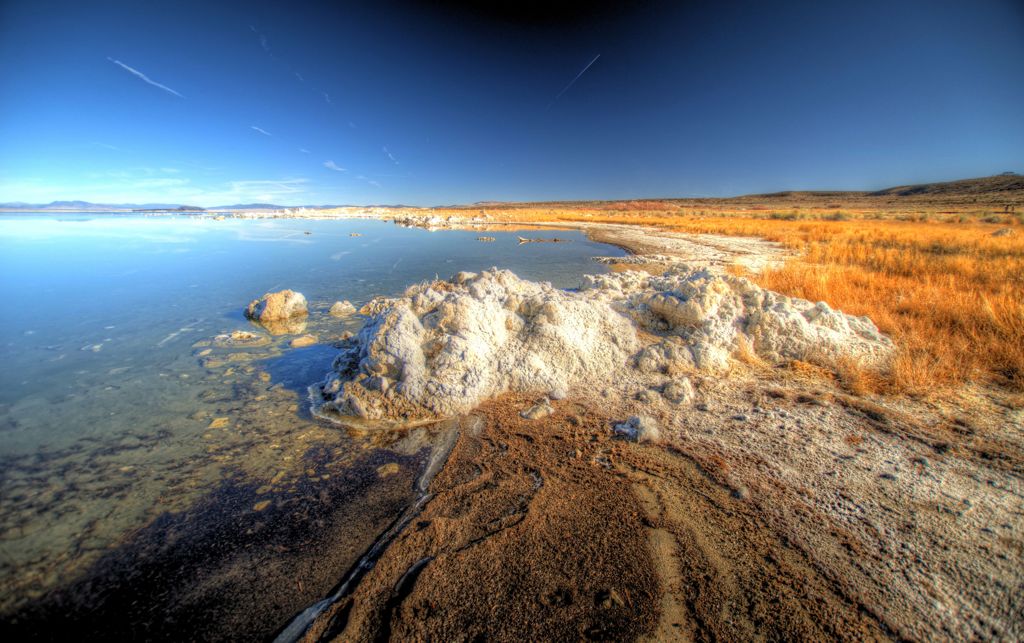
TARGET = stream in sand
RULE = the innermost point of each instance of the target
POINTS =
(148, 473)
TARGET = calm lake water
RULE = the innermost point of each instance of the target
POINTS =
(118, 413)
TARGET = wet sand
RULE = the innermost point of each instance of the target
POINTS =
(237, 565)
(555, 530)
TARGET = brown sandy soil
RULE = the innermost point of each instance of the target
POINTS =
(527, 538)
(553, 529)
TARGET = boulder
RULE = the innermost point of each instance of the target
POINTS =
(277, 306)
(449, 345)
(712, 315)
(679, 391)
(443, 347)
(342, 309)
(639, 428)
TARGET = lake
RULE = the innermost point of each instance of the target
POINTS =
(141, 458)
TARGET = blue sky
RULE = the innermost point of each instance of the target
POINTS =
(434, 103)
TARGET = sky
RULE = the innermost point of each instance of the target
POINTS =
(431, 103)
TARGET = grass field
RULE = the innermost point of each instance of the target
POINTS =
(950, 295)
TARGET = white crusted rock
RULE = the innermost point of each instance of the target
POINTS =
(445, 346)
(679, 391)
(277, 306)
(639, 428)
(711, 311)
(342, 309)
(450, 345)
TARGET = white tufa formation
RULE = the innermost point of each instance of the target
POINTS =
(446, 346)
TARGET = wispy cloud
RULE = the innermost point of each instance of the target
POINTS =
(352, 125)
(261, 130)
(368, 180)
(571, 82)
(200, 166)
(304, 150)
(133, 173)
(132, 188)
(331, 165)
(144, 77)
(327, 98)
(266, 190)
(299, 76)
(390, 155)
(108, 146)
(262, 37)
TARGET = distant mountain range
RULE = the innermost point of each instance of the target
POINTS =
(86, 206)
(1007, 184)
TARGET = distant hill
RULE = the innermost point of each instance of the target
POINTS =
(251, 206)
(86, 206)
(1006, 182)
(988, 185)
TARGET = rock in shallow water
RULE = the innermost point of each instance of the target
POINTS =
(277, 306)
(303, 341)
(342, 309)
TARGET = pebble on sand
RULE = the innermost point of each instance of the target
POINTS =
(538, 411)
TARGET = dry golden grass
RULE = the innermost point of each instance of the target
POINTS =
(950, 295)
(949, 292)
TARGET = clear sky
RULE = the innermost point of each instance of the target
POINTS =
(212, 103)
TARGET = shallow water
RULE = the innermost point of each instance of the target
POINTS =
(115, 408)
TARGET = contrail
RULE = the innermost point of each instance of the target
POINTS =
(566, 88)
(143, 77)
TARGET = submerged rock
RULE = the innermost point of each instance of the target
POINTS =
(277, 306)
(342, 309)
(303, 341)
(293, 326)
(238, 339)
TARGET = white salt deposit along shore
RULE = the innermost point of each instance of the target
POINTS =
(446, 346)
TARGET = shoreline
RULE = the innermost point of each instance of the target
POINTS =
(802, 484)
(827, 477)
